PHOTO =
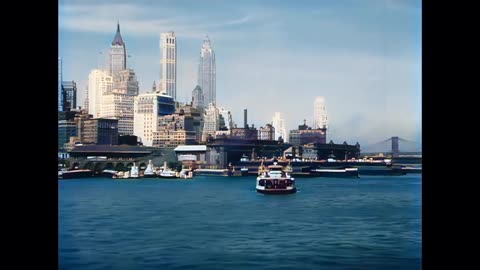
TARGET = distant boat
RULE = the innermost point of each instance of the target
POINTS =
(185, 174)
(134, 171)
(82, 173)
(167, 172)
(244, 169)
(275, 180)
(212, 172)
(109, 173)
(336, 173)
(149, 173)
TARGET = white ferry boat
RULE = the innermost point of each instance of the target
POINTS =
(275, 180)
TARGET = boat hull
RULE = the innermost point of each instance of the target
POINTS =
(277, 191)
(335, 173)
(167, 176)
(73, 175)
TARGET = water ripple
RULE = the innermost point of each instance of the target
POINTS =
(219, 223)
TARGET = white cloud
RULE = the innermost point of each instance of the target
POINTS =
(139, 21)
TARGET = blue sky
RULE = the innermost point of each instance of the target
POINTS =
(364, 57)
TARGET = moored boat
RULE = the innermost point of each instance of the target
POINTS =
(336, 172)
(167, 172)
(149, 172)
(211, 172)
(82, 173)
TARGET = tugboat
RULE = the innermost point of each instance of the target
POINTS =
(275, 180)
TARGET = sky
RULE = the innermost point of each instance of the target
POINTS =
(364, 57)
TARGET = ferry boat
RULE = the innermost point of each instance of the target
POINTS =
(275, 180)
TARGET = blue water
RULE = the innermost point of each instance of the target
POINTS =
(222, 223)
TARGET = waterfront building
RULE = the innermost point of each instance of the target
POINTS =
(117, 157)
(148, 108)
(119, 106)
(207, 72)
(224, 151)
(66, 127)
(69, 95)
(99, 84)
(174, 130)
(198, 98)
(247, 132)
(197, 116)
(60, 92)
(118, 55)
(100, 131)
(305, 134)
(191, 155)
(278, 124)
(266, 133)
(168, 47)
(342, 151)
(319, 113)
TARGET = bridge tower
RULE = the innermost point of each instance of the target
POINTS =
(395, 148)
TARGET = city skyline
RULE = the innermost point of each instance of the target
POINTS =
(364, 58)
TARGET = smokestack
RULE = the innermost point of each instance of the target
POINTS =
(245, 125)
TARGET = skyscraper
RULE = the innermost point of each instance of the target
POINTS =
(319, 113)
(148, 108)
(207, 72)
(99, 84)
(70, 94)
(60, 92)
(119, 102)
(198, 98)
(118, 55)
(279, 125)
(168, 47)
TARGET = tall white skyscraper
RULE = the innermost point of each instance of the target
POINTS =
(280, 129)
(99, 84)
(319, 113)
(207, 73)
(168, 47)
(118, 55)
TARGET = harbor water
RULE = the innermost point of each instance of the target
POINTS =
(372, 222)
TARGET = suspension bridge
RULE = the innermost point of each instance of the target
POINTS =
(394, 146)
